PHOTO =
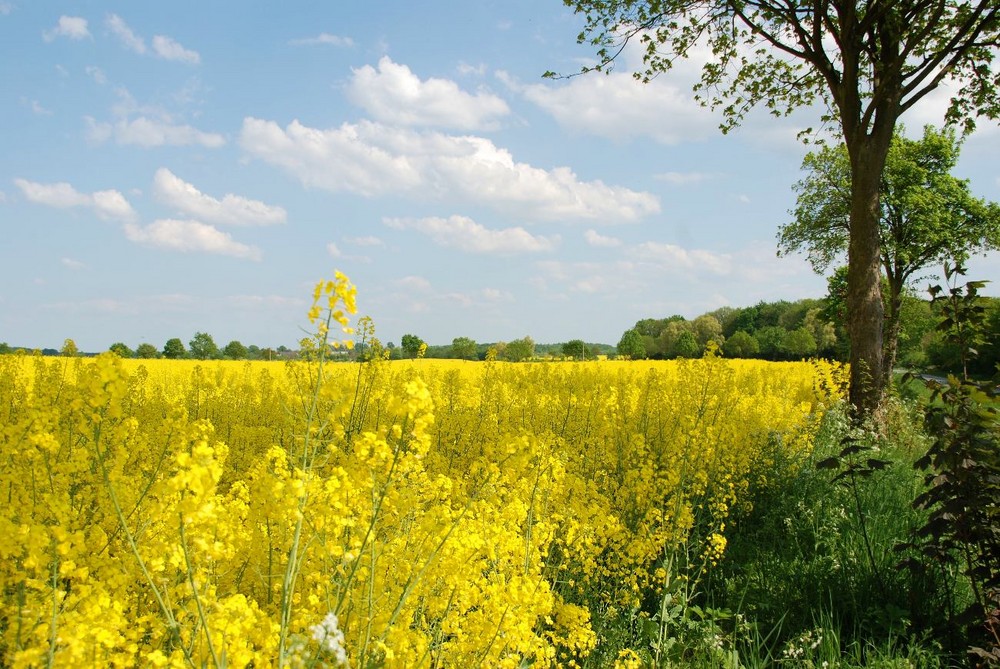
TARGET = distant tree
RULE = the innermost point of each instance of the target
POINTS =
(269, 354)
(926, 216)
(174, 349)
(203, 347)
(631, 345)
(463, 348)
(410, 344)
(707, 328)
(5, 348)
(253, 352)
(824, 332)
(687, 345)
(121, 349)
(520, 349)
(770, 339)
(234, 350)
(146, 351)
(666, 343)
(797, 344)
(69, 349)
(740, 344)
(575, 348)
(283, 349)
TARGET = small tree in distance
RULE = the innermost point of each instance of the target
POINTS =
(410, 344)
(69, 349)
(203, 347)
(121, 350)
(146, 351)
(234, 350)
(174, 349)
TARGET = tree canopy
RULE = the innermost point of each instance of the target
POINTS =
(868, 62)
(203, 347)
(927, 216)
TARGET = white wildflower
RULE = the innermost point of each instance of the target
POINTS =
(331, 638)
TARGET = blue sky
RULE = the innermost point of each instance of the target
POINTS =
(169, 168)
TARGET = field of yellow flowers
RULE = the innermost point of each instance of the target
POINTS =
(454, 514)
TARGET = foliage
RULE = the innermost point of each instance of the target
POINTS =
(575, 348)
(146, 351)
(121, 350)
(464, 348)
(519, 350)
(203, 347)
(927, 216)
(963, 475)
(866, 63)
(741, 345)
(235, 350)
(69, 349)
(411, 344)
(631, 345)
(174, 349)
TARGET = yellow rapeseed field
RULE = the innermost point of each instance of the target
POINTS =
(424, 513)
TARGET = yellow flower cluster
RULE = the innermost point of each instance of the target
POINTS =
(420, 513)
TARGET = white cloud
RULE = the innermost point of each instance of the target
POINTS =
(619, 107)
(163, 47)
(467, 69)
(685, 178)
(393, 94)
(189, 236)
(601, 241)
(168, 49)
(676, 257)
(121, 30)
(370, 240)
(323, 38)
(97, 74)
(72, 27)
(374, 159)
(6, 8)
(3, 197)
(151, 132)
(417, 283)
(230, 210)
(107, 204)
(36, 107)
(334, 252)
(72, 264)
(466, 235)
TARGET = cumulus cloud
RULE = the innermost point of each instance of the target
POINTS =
(121, 30)
(168, 49)
(323, 39)
(618, 107)
(163, 47)
(601, 241)
(230, 210)
(189, 236)
(673, 256)
(70, 263)
(393, 94)
(107, 204)
(149, 132)
(373, 159)
(71, 27)
(463, 233)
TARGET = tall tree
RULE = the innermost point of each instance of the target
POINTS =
(631, 345)
(146, 350)
(867, 61)
(926, 216)
(69, 349)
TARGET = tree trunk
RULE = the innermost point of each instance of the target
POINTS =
(892, 328)
(865, 315)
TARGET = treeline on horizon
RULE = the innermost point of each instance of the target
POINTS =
(810, 328)
(777, 331)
